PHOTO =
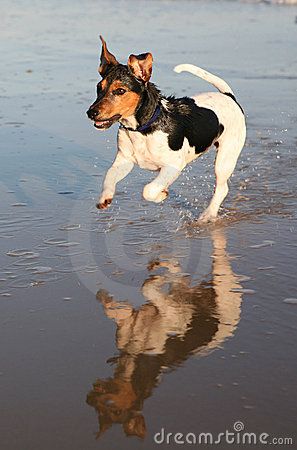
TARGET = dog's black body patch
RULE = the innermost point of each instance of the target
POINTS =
(187, 120)
(180, 119)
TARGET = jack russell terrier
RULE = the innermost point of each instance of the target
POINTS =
(165, 133)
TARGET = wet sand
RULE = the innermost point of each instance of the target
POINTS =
(122, 322)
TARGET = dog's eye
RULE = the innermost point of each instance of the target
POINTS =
(119, 91)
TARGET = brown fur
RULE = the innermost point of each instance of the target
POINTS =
(125, 104)
(103, 84)
(123, 397)
(141, 66)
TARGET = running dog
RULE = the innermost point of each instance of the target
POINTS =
(165, 133)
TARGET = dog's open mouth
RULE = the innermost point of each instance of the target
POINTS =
(106, 123)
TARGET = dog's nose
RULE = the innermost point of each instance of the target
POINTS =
(91, 113)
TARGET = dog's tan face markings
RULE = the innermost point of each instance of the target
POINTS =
(116, 401)
(118, 99)
(122, 398)
(103, 84)
(120, 91)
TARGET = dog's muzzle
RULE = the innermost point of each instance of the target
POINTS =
(102, 123)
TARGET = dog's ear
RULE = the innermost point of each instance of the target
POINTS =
(107, 59)
(141, 66)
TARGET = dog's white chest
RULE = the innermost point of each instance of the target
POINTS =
(152, 152)
(148, 152)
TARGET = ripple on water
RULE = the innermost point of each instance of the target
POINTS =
(243, 278)
(68, 244)
(290, 301)
(40, 269)
(24, 263)
(265, 243)
(53, 241)
(68, 255)
(69, 227)
(134, 242)
(60, 242)
(243, 291)
(28, 254)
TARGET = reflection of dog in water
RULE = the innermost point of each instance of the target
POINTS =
(177, 321)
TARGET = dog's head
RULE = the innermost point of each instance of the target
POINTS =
(120, 90)
(116, 402)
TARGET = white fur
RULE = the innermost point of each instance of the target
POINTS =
(153, 153)
(217, 82)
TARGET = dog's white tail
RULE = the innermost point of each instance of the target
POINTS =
(217, 82)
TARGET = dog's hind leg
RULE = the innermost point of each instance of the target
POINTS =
(226, 159)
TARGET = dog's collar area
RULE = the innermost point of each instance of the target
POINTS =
(146, 125)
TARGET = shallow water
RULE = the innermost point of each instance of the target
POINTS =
(135, 319)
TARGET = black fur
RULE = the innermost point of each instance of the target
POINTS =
(181, 119)
(122, 73)
(118, 72)
(187, 120)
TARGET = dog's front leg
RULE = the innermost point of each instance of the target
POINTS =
(114, 309)
(119, 170)
(157, 190)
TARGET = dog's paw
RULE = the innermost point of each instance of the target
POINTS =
(162, 196)
(206, 217)
(104, 204)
